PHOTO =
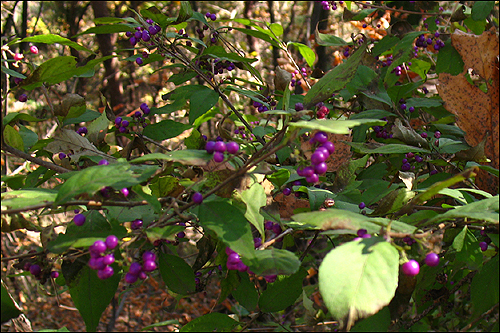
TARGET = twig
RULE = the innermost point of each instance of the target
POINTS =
(36, 160)
(384, 7)
(481, 317)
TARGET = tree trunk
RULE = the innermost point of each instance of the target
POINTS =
(320, 17)
(113, 87)
(275, 49)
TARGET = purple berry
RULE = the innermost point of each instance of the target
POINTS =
(257, 241)
(423, 135)
(220, 146)
(312, 179)
(268, 225)
(35, 269)
(232, 147)
(148, 256)
(287, 191)
(366, 236)
(142, 275)
(125, 123)
(218, 156)
(100, 246)
(229, 250)
(213, 17)
(437, 134)
(79, 219)
(299, 107)
(361, 206)
(54, 274)
(411, 268)
(135, 268)
(62, 155)
(433, 172)
(418, 159)
(139, 61)
(270, 278)
(103, 162)
(125, 191)
(105, 273)
(181, 234)
(136, 224)
(432, 259)
(146, 36)
(321, 137)
(130, 278)
(406, 167)
(34, 49)
(210, 147)
(118, 121)
(329, 146)
(27, 266)
(482, 245)
(308, 171)
(318, 157)
(111, 242)
(361, 232)
(197, 198)
(149, 266)
(320, 169)
(108, 259)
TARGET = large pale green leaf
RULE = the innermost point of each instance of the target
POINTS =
(333, 218)
(306, 52)
(246, 294)
(483, 210)
(254, 198)
(230, 225)
(336, 79)
(92, 179)
(282, 293)
(108, 29)
(336, 126)
(484, 287)
(177, 274)
(13, 116)
(359, 278)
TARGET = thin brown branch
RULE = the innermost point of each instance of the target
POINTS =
(36, 160)
(384, 7)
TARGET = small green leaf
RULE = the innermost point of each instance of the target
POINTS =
(177, 274)
(13, 138)
(185, 12)
(282, 293)
(255, 198)
(13, 116)
(273, 261)
(276, 28)
(279, 177)
(449, 60)
(108, 29)
(246, 294)
(306, 52)
(392, 148)
(9, 309)
(329, 40)
(359, 278)
(186, 156)
(201, 102)
(336, 126)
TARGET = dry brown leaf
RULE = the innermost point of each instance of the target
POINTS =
(287, 204)
(476, 111)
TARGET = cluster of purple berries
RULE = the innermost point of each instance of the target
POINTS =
(213, 17)
(406, 166)
(138, 271)
(261, 107)
(136, 224)
(386, 62)
(219, 147)
(321, 110)
(323, 151)
(296, 77)
(241, 131)
(36, 271)
(272, 226)
(234, 261)
(287, 190)
(327, 5)
(142, 33)
(362, 233)
(423, 42)
(216, 66)
(100, 260)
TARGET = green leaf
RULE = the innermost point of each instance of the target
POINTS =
(423, 102)
(484, 290)
(255, 198)
(92, 295)
(334, 218)
(29, 137)
(336, 126)
(482, 210)
(87, 116)
(177, 274)
(477, 27)
(467, 247)
(421, 67)
(371, 114)
(156, 15)
(166, 232)
(230, 225)
(359, 278)
(186, 156)
(317, 197)
(9, 309)
(200, 102)
(392, 148)
(384, 44)
(335, 80)
(52, 39)
(165, 129)
(92, 179)
(279, 177)
(449, 60)
(219, 52)
(185, 12)
(273, 261)
(276, 28)
(402, 91)
(258, 34)
(379, 322)
(481, 10)
(282, 293)
(181, 77)
(306, 52)
(393, 202)
(13, 138)
(246, 294)
(12, 72)
(212, 322)
(329, 40)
